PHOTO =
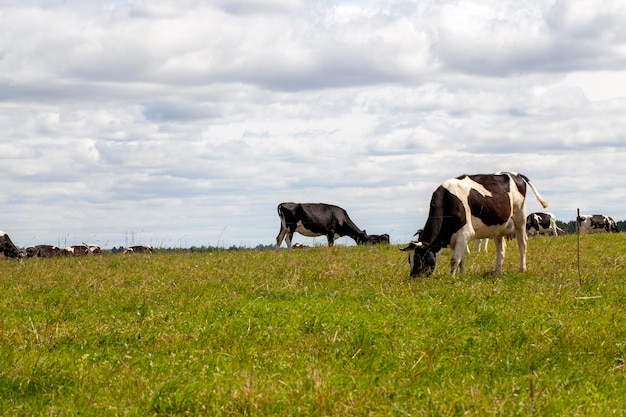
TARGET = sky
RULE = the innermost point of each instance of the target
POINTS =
(185, 123)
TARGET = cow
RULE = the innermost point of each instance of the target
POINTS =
(76, 250)
(316, 219)
(378, 239)
(82, 250)
(542, 224)
(596, 223)
(481, 245)
(43, 251)
(139, 249)
(7, 248)
(473, 207)
(93, 249)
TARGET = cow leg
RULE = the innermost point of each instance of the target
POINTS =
(331, 238)
(281, 236)
(500, 253)
(458, 256)
(288, 238)
(522, 240)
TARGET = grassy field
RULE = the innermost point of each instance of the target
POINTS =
(323, 331)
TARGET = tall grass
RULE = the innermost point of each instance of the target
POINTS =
(321, 332)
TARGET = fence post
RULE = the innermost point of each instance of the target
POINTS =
(578, 246)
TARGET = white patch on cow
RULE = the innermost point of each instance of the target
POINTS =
(300, 228)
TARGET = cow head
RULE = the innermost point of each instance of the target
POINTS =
(361, 238)
(422, 258)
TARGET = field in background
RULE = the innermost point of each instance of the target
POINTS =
(320, 331)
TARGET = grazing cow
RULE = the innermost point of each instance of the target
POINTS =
(82, 250)
(481, 245)
(473, 207)
(93, 249)
(310, 219)
(139, 249)
(7, 248)
(43, 251)
(76, 250)
(596, 223)
(376, 239)
(542, 223)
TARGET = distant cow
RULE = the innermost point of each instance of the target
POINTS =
(43, 251)
(596, 223)
(139, 249)
(481, 245)
(316, 219)
(76, 250)
(93, 249)
(7, 248)
(376, 239)
(473, 207)
(543, 224)
(82, 250)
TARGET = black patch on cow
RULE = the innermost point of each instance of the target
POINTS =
(544, 220)
(521, 181)
(446, 217)
(598, 221)
(495, 209)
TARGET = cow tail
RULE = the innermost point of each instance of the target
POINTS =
(543, 202)
(281, 215)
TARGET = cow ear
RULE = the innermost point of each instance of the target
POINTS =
(419, 232)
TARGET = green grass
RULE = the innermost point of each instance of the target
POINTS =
(319, 332)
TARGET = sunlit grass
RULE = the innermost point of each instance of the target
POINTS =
(320, 331)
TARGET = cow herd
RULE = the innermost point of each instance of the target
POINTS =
(470, 207)
(9, 250)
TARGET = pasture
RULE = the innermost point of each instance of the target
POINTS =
(323, 331)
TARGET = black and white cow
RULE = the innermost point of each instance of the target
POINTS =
(542, 224)
(82, 250)
(139, 249)
(7, 248)
(316, 219)
(43, 251)
(481, 245)
(93, 249)
(76, 250)
(596, 223)
(473, 207)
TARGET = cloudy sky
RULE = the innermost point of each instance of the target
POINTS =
(180, 123)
